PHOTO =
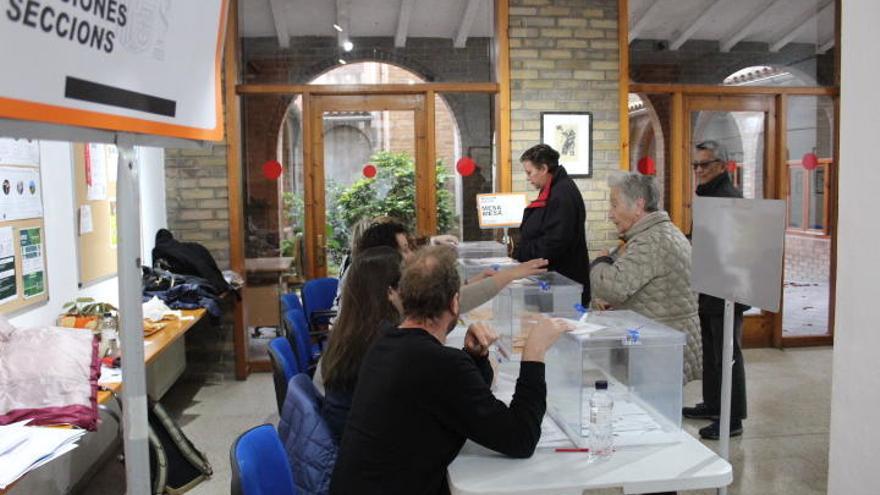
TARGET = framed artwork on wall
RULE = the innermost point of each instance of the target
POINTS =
(571, 134)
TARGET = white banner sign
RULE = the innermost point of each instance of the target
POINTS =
(500, 210)
(145, 66)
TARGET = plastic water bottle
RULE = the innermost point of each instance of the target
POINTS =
(601, 427)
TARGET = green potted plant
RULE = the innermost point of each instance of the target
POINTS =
(85, 312)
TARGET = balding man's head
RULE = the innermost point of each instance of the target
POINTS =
(430, 283)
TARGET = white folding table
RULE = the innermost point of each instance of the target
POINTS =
(685, 465)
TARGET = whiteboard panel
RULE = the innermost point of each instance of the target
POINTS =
(738, 249)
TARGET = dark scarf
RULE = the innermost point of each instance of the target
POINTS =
(712, 188)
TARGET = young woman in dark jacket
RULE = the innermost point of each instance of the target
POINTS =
(553, 226)
(369, 305)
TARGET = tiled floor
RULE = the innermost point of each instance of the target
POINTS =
(784, 449)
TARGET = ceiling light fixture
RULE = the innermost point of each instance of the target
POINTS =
(337, 27)
(347, 45)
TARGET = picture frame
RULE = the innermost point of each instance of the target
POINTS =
(571, 134)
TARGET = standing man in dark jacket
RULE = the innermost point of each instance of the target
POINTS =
(553, 225)
(713, 180)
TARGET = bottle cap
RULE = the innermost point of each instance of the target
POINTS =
(601, 385)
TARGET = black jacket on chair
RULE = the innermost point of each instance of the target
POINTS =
(557, 232)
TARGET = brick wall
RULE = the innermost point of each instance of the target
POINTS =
(807, 259)
(701, 62)
(564, 56)
(197, 198)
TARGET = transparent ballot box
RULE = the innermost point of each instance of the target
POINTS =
(471, 267)
(528, 302)
(482, 249)
(642, 362)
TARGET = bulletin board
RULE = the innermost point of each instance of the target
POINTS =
(23, 277)
(95, 179)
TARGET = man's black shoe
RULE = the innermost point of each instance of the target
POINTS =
(700, 411)
(713, 431)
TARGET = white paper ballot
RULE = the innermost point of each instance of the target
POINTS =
(85, 219)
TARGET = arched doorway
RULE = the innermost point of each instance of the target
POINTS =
(360, 136)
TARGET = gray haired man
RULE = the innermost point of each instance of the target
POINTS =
(710, 159)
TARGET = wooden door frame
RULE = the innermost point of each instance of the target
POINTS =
(315, 200)
(758, 330)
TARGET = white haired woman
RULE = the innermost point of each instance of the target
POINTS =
(651, 272)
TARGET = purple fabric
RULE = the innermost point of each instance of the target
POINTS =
(46, 377)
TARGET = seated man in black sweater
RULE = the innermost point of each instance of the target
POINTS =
(417, 401)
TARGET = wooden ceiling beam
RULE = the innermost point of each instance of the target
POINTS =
(406, 8)
(467, 20)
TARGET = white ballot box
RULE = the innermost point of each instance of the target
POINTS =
(482, 249)
(642, 362)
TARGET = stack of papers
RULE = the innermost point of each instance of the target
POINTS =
(25, 448)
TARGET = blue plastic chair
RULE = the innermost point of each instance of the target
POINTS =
(290, 301)
(284, 366)
(259, 464)
(308, 441)
(307, 352)
(317, 297)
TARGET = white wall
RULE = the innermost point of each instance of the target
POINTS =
(153, 213)
(855, 400)
(60, 224)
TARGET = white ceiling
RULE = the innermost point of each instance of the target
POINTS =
(776, 22)
(772, 20)
(428, 18)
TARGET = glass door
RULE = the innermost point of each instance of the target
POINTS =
(809, 193)
(739, 132)
(369, 158)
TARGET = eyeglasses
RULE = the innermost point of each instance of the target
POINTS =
(705, 163)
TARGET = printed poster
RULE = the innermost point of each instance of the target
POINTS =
(8, 288)
(19, 152)
(21, 195)
(33, 272)
(96, 172)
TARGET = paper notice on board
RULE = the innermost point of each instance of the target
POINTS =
(8, 289)
(85, 219)
(112, 161)
(20, 193)
(96, 179)
(19, 152)
(113, 230)
(33, 272)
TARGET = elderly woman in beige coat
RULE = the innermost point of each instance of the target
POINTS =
(651, 272)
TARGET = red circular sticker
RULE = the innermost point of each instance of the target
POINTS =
(466, 166)
(810, 161)
(272, 169)
(369, 171)
(646, 166)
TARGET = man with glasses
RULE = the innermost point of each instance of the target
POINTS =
(710, 162)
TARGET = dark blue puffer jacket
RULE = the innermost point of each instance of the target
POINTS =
(311, 449)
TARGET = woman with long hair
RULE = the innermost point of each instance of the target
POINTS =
(370, 303)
